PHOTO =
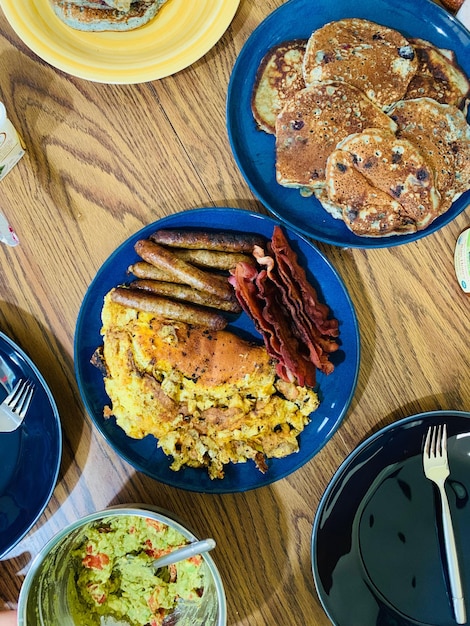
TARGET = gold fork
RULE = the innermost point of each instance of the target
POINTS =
(436, 468)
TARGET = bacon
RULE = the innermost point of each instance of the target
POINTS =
(296, 327)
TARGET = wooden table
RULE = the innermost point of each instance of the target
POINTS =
(104, 160)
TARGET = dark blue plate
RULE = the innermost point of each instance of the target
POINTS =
(335, 390)
(254, 149)
(376, 544)
(30, 456)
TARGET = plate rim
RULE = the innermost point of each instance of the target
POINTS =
(216, 487)
(6, 340)
(350, 239)
(347, 465)
(223, 12)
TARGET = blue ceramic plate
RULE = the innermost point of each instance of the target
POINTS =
(254, 149)
(30, 456)
(335, 390)
(377, 536)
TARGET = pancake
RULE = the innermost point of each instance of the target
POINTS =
(443, 135)
(366, 210)
(383, 183)
(278, 77)
(99, 16)
(376, 59)
(312, 123)
(438, 76)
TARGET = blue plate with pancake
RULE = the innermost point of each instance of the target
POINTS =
(335, 390)
(377, 546)
(254, 150)
(30, 456)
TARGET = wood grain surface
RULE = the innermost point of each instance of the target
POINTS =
(102, 161)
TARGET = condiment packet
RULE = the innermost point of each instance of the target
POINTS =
(7, 234)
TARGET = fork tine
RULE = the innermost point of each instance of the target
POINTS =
(444, 440)
(25, 400)
(427, 442)
(20, 398)
(11, 396)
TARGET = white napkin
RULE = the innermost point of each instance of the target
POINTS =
(463, 14)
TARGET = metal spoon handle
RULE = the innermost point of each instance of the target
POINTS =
(197, 547)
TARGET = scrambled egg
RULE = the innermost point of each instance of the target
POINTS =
(209, 398)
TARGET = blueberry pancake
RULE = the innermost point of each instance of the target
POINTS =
(279, 76)
(312, 123)
(377, 162)
(438, 76)
(377, 60)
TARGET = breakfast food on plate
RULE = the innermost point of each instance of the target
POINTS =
(209, 396)
(382, 184)
(297, 329)
(178, 268)
(102, 15)
(182, 384)
(377, 60)
(360, 77)
(438, 76)
(200, 240)
(279, 76)
(312, 123)
(115, 578)
(442, 134)
(143, 299)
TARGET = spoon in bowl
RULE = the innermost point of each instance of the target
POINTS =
(186, 552)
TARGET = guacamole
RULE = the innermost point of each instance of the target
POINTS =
(115, 578)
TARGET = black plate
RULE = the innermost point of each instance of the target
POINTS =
(376, 543)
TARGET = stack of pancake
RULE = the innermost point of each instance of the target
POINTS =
(371, 123)
(101, 15)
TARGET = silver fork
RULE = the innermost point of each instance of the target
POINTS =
(15, 406)
(436, 468)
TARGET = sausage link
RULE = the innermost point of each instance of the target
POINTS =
(186, 294)
(184, 272)
(224, 241)
(169, 309)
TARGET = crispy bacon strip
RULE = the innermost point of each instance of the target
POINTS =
(296, 327)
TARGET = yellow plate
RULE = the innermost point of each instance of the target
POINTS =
(180, 34)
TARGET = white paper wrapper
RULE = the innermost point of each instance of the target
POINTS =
(7, 234)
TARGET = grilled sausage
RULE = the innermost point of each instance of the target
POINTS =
(182, 271)
(145, 270)
(169, 309)
(222, 241)
(213, 258)
(187, 294)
